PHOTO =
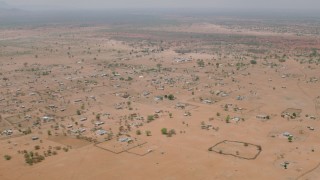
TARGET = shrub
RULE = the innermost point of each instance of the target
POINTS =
(171, 97)
(164, 131)
(171, 132)
(7, 157)
(253, 62)
(228, 119)
(78, 112)
(150, 118)
(148, 133)
(29, 161)
(138, 132)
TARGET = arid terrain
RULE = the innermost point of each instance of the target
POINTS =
(161, 97)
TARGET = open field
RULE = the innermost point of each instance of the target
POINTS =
(156, 97)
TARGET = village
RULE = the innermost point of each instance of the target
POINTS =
(161, 101)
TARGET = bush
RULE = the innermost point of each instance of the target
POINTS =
(171, 97)
(7, 157)
(148, 133)
(228, 119)
(78, 112)
(138, 132)
(150, 118)
(26, 155)
(29, 161)
(171, 132)
(98, 116)
(164, 131)
(253, 62)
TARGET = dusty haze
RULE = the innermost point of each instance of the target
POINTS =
(107, 4)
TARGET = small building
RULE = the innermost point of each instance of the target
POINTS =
(77, 100)
(291, 113)
(34, 138)
(101, 132)
(286, 134)
(240, 98)
(98, 123)
(7, 132)
(52, 106)
(124, 139)
(146, 93)
(207, 101)
(263, 116)
(236, 119)
(47, 118)
(158, 98)
(180, 105)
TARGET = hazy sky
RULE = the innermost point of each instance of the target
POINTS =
(230, 4)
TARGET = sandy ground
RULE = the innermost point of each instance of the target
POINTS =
(59, 71)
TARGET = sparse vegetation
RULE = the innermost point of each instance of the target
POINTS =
(138, 132)
(253, 62)
(191, 78)
(228, 119)
(7, 157)
(164, 131)
(150, 118)
(148, 133)
(171, 97)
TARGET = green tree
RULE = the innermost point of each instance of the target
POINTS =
(164, 131)
(171, 97)
(200, 63)
(228, 119)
